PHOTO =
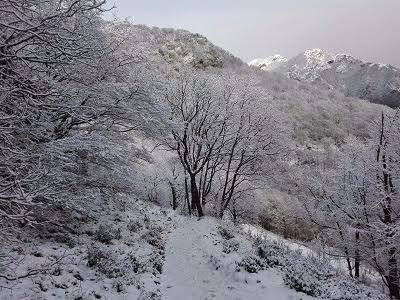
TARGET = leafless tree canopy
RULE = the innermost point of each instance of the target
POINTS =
(57, 70)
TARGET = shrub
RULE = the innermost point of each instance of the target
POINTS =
(229, 246)
(306, 275)
(105, 261)
(146, 295)
(309, 275)
(272, 255)
(318, 279)
(297, 229)
(134, 226)
(64, 238)
(252, 264)
(225, 233)
(151, 264)
(154, 238)
(105, 234)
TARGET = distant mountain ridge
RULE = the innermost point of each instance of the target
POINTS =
(378, 83)
(270, 63)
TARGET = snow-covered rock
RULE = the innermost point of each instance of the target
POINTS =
(270, 63)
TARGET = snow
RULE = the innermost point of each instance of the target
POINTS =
(342, 72)
(270, 63)
(112, 277)
(200, 258)
(71, 279)
(318, 55)
(258, 232)
(338, 263)
(196, 268)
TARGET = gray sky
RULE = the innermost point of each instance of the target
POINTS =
(368, 29)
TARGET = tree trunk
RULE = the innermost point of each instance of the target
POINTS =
(349, 268)
(174, 198)
(196, 201)
(393, 277)
(346, 250)
(357, 256)
(187, 196)
(234, 213)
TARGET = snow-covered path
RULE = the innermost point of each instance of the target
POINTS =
(196, 268)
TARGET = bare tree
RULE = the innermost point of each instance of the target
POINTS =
(224, 136)
(249, 143)
(198, 126)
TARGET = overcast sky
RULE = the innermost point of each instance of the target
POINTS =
(368, 29)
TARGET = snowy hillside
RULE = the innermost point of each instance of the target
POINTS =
(376, 82)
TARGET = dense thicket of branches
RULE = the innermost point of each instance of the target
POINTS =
(57, 72)
(224, 134)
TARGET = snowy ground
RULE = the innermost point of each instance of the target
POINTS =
(155, 253)
(121, 261)
(197, 268)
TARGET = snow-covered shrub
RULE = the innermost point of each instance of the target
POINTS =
(348, 290)
(284, 217)
(146, 295)
(64, 238)
(154, 238)
(105, 261)
(134, 226)
(252, 264)
(226, 233)
(308, 274)
(318, 279)
(151, 264)
(106, 234)
(229, 246)
(122, 263)
(272, 255)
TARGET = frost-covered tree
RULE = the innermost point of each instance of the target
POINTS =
(224, 134)
(58, 72)
(198, 124)
(254, 135)
(355, 204)
(386, 224)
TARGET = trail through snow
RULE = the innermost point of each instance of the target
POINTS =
(196, 268)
